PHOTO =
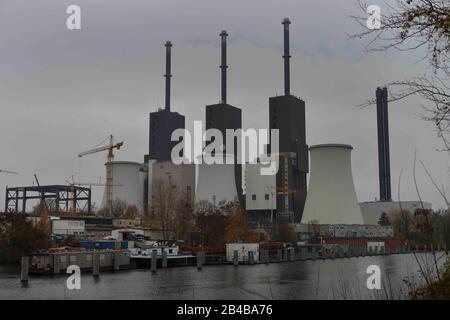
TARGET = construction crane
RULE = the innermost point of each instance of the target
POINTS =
(109, 174)
(8, 172)
(280, 192)
(284, 191)
(72, 183)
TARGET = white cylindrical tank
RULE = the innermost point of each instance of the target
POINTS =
(215, 182)
(128, 183)
(331, 197)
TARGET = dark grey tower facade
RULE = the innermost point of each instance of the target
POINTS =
(384, 165)
(287, 114)
(163, 122)
(223, 116)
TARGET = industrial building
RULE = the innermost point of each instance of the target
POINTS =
(327, 206)
(372, 210)
(68, 227)
(311, 231)
(61, 198)
(128, 184)
(287, 114)
(384, 165)
(215, 182)
(163, 122)
(168, 174)
(223, 116)
(331, 198)
(260, 196)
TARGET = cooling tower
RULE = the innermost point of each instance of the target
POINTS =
(215, 182)
(331, 196)
(128, 183)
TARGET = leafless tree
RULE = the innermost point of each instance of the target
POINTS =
(164, 205)
(411, 25)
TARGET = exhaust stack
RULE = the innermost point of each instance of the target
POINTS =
(384, 165)
(168, 45)
(223, 66)
(286, 57)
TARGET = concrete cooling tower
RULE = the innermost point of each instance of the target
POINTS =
(215, 182)
(128, 183)
(331, 196)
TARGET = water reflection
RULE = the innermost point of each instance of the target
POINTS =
(321, 279)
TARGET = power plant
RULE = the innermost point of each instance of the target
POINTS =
(330, 198)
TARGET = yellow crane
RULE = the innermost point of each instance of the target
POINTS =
(284, 191)
(72, 183)
(109, 175)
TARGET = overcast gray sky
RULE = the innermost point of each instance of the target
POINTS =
(63, 92)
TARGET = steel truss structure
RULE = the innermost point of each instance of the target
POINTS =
(60, 198)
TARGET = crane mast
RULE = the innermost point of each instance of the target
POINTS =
(109, 174)
(8, 172)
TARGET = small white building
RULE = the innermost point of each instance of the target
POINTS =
(243, 249)
(260, 195)
(68, 227)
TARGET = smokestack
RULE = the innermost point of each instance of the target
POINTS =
(168, 45)
(384, 165)
(286, 57)
(224, 66)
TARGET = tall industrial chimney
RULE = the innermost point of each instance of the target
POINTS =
(168, 45)
(223, 116)
(163, 122)
(224, 67)
(286, 57)
(384, 165)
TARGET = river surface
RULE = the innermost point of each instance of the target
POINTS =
(321, 279)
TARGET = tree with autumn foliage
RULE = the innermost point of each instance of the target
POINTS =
(210, 222)
(236, 229)
(18, 237)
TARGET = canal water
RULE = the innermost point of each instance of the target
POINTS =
(321, 279)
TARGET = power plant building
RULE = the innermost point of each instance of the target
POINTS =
(260, 196)
(372, 210)
(163, 122)
(166, 174)
(287, 114)
(384, 165)
(129, 179)
(331, 197)
(215, 183)
(223, 116)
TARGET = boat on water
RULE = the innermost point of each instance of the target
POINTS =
(142, 256)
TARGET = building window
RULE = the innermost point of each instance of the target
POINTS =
(253, 196)
(266, 196)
